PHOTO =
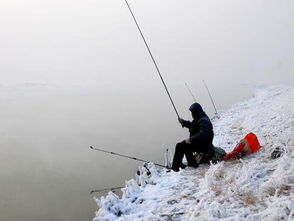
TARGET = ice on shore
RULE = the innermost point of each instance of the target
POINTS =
(256, 187)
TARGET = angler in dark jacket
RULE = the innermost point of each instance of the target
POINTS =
(200, 141)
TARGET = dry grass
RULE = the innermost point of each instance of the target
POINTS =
(270, 191)
(249, 198)
(284, 190)
(220, 174)
(230, 180)
(217, 190)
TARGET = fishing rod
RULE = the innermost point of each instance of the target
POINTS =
(210, 97)
(101, 190)
(120, 187)
(190, 92)
(154, 62)
(122, 155)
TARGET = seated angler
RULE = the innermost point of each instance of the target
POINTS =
(200, 141)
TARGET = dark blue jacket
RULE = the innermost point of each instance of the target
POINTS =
(201, 132)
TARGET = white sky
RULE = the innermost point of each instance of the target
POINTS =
(96, 42)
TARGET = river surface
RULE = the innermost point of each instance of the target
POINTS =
(46, 166)
(47, 169)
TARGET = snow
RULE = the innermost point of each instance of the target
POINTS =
(255, 187)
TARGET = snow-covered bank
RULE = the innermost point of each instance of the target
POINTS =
(256, 187)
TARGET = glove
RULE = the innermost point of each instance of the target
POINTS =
(188, 141)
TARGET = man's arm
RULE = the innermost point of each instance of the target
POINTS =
(185, 123)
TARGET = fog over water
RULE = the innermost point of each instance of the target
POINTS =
(76, 73)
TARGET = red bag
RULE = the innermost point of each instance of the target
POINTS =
(253, 142)
(249, 144)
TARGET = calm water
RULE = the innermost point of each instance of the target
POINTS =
(47, 169)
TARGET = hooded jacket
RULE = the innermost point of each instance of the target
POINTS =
(201, 131)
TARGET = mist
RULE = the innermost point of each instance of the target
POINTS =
(76, 73)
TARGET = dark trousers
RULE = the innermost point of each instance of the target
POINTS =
(181, 150)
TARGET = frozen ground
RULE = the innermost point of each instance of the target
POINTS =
(256, 187)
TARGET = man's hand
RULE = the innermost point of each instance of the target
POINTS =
(181, 121)
(188, 141)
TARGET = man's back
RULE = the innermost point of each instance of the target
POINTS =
(201, 131)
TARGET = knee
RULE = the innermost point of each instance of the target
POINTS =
(178, 147)
(181, 146)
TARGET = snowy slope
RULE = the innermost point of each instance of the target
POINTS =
(254, 188)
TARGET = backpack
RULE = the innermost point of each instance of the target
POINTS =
(218, 154)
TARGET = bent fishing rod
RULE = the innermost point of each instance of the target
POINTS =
(122, 155)
(153, 59)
